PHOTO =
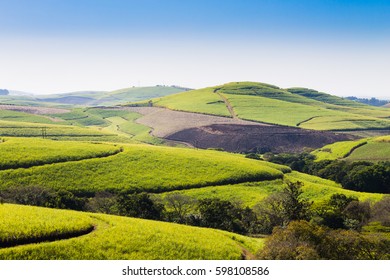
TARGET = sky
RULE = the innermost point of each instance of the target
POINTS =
(339, 47)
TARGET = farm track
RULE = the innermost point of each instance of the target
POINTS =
(228, 104)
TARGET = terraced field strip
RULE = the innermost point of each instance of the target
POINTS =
(372, 151)
(22, 225)
(338, 150)
(122, 238)
(249, 194)
(145, 168)
(29, 152)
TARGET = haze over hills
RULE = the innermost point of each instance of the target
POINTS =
(89, 98)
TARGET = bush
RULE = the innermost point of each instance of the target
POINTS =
(303, 240)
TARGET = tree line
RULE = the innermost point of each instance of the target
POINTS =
(360, 176)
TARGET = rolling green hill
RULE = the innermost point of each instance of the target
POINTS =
(98, 236)
(299, 107)
(143, 168)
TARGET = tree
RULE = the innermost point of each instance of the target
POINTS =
(294, 207)
(140, 206)
(381, 211)
(304, 240)
(178, 207)
(103, 202)
(269, 213)
(220, 214)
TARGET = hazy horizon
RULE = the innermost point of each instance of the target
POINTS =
(337, 47)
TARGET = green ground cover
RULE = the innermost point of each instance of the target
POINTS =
(27, 152)
(145, 168)
(124, 238)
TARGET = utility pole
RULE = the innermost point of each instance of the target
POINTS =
(44, 132)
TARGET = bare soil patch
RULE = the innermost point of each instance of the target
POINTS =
(256, 138)
(165, 122)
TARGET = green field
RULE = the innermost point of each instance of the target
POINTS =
(373, 151)
(15, 116)
(199, 101)
(337, 150)
(22, 224)
(249, 194)
(114, 237)
(145, 168)
(369, 149)
(27, 152)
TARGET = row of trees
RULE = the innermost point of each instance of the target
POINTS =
(359, 176)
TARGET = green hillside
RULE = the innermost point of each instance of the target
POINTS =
(27, 152)
(77, 124)
(370, 149)
(261, 102)
(112, 237)
(249, 194)
(144, 168)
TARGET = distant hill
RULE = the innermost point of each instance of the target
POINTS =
(297, 107)
(387, 105)
(4, 92)
(111, 98)
(369, 101)
(90, 98)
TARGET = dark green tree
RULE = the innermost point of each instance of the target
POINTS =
(294, 207)
(139, 206)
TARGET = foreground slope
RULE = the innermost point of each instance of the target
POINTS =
(113, 237)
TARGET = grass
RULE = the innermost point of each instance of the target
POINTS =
(199, 101)
(249, 194)
(145, 168)
(337, 150)
(369, 149)
(373, 151)
(124, 238)
(22, 224)
(27, 152)
(27, 129)
(341, 121)
(81, 117)
(15, 116)
(273, 111)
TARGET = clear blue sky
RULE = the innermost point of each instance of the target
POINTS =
(341, 47)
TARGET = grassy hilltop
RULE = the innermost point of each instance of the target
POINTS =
(261, 102)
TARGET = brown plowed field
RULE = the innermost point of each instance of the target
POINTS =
(256, 138)
(165, 122)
